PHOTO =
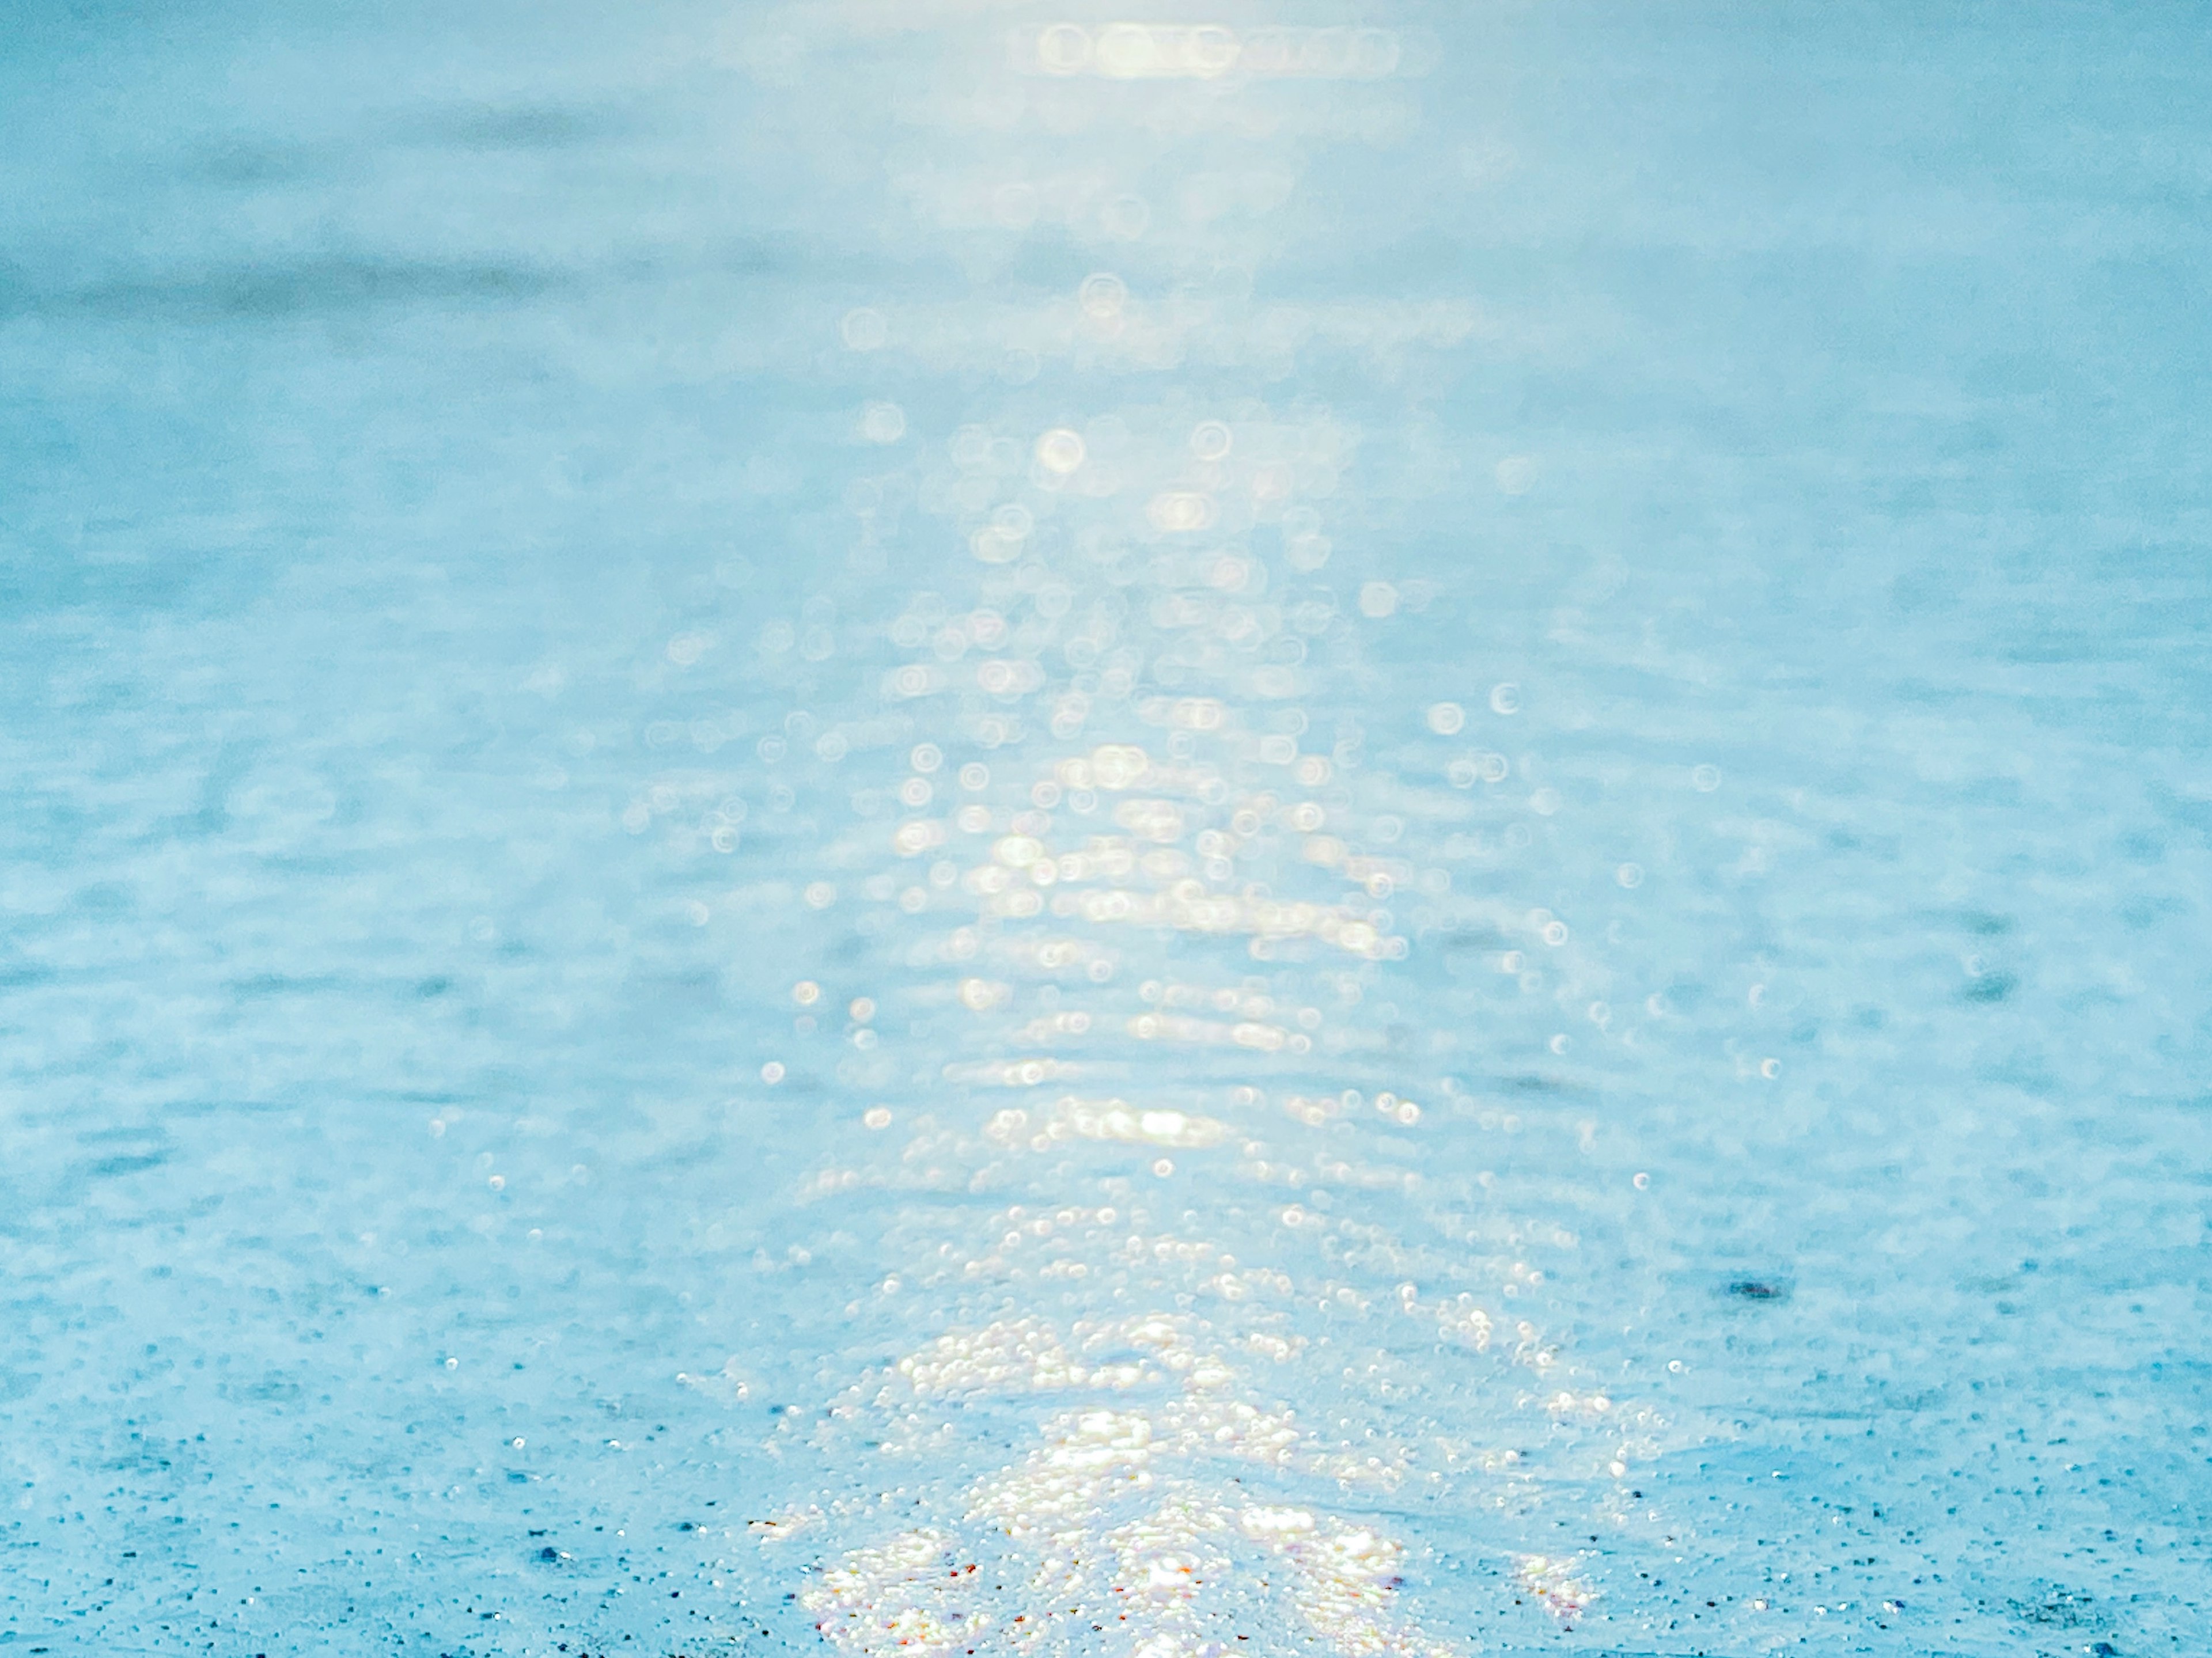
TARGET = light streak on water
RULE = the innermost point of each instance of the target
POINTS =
(955, 827)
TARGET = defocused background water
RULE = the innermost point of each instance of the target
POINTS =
(424, 435)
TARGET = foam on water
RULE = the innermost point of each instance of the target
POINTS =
(963, 830)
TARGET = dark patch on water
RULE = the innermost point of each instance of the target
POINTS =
(247, 163)
(2053, 1606)
(129, 1165)
(1758, 1288)
(279, 984)
(332, 284)
(527, 126)
(1988, 988)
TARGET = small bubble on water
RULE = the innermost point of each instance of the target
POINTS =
(864, 330)
(1446, 720)
(772, 1071)
(981, 995)
(1705, 779)
(1102, 296)
(1211, 439)
(1505, 698)
(1059, 452)
(1630, 875)
(970, 448)
(1063, 49)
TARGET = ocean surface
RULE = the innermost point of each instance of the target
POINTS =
(922, 826)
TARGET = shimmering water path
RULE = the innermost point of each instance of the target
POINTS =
(943, 827)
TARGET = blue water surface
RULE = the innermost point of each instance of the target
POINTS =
(495, 500)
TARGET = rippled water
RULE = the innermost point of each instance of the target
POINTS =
(1358, 832)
